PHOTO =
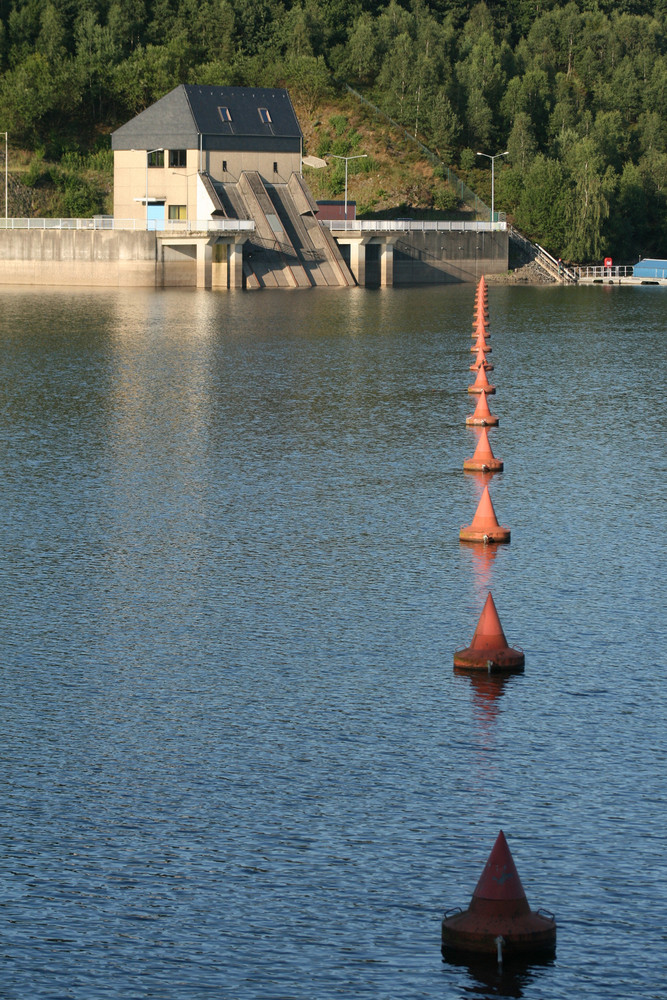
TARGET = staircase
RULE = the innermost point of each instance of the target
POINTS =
(538, 255)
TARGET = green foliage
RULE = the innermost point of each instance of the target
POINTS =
(467, 159)
(339, 124)
(445, 199)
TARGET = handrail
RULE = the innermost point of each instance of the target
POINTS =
(410, 225)
(598, 272)
(133, 225)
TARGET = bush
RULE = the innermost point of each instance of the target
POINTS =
(445, 200)
(339, 124)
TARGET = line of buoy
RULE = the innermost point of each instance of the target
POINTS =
(498, 921)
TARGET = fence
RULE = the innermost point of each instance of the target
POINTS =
(411, 225)
(133, 225)
(600, 273)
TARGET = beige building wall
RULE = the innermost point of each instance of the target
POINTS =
(262, 162)
(133, 180)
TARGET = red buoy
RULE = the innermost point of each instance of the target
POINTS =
(481, 383)
(482, 417)
(483, 459)
(480, 361)
(489, 650)
(481, 343)
(485, 527)
(480, 325)
(499, 921)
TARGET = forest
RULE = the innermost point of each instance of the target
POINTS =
(574, 92)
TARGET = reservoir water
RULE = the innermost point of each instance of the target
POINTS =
(236, 760)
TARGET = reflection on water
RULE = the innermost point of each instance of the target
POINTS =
(510, 979)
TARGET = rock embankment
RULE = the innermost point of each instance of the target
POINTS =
(526, 274)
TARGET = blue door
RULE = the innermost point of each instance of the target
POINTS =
(155, 215)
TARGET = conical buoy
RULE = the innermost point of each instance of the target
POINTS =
(480, 329)
(489, 650)
(481, 383)
(481, 343)
(482, 417)
(481, 362)
(483, 459)
(499, 920)
(485, 527)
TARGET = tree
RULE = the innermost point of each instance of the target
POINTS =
(588, 206)
(542, 208)
(521, 144)
(363, 50)
(444, 126)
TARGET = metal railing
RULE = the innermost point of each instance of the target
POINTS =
(411, 225)
(555, 268)
(600, 273)
(134, 225)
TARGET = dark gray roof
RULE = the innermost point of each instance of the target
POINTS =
(178, 119)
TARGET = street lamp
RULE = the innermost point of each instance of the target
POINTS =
(159, 149)
(6, 169)
(493, 163)
(359, 156)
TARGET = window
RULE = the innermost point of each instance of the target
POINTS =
(224, 166)
(156, 158)
(177, 157)
(225, 114)
(264, 115)
(178, 212)
(275, 166)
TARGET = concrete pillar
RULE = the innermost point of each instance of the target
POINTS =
(387, 264)
(235, 265)
(358, 261)
(204, 260)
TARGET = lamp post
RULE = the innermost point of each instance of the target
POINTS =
(359, 156)
(493, 163)
(160, 149)
(6, 171)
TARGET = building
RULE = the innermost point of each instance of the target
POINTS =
(226, 154)
(173, 159)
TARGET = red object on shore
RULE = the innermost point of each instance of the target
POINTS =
(483, 459)
(499, 920)
(481, 362)
(482, 417)
(489, 650)
(481, 383)
(485, 527)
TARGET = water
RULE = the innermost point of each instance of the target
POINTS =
(236, 760)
